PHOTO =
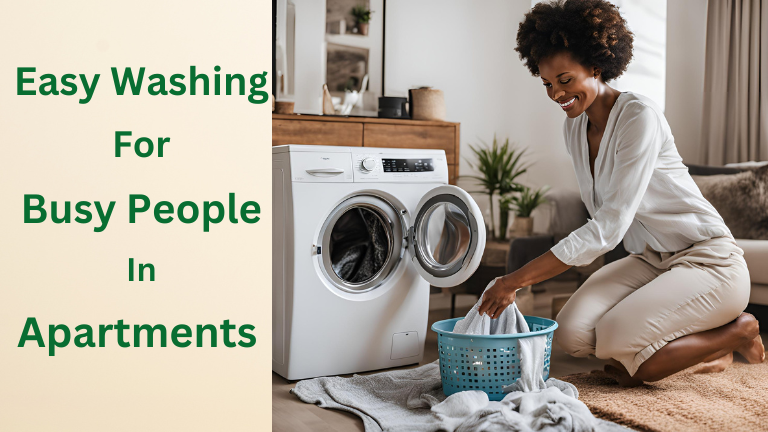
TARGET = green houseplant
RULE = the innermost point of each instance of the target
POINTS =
(524, 204)
(499, 167)
(363, 16)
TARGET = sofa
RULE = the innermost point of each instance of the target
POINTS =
(754, 188)
(566, 212)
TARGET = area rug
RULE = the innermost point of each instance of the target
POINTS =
(733, 400)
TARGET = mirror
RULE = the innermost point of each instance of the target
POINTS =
(329, 42)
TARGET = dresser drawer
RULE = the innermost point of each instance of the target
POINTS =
(416, 137)
(316, 132)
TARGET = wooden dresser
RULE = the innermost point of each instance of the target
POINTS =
(369, 132)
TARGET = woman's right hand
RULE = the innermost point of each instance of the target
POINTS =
(502, 293)
(497, 298)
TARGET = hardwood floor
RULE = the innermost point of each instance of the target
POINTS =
(291, 415)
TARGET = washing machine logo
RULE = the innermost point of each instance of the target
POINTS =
(325, 158)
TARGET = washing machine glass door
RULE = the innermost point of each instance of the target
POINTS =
(447, 238)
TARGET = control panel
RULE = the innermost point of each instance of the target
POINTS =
(407, 165)
(399, 166)
(336, 164)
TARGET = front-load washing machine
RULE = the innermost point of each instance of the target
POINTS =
(358, 236)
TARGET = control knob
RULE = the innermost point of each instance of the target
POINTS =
(368, 164)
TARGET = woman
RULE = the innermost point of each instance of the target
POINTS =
(677, 300)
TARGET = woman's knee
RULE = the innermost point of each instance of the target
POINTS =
(578, 318)
(574, 336)
(611, 337)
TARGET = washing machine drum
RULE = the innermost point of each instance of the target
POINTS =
(362, 241)
(360, 245)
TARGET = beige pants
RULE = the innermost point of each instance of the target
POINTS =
(632, 307)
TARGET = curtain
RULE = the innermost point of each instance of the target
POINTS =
(735, 116)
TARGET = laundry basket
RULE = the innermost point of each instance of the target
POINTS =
(485, 362)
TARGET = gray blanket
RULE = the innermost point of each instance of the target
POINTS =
(413, 400)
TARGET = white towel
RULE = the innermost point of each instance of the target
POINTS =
(545, 410)
(511, 320)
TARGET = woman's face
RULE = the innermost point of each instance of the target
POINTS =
(573, 86)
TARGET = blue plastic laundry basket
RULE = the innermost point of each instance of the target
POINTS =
(485, 362)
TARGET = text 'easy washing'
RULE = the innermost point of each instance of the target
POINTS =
(133, 83)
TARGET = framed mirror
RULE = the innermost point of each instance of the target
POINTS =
(335, 42)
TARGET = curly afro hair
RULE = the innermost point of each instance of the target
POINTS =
(593, 31)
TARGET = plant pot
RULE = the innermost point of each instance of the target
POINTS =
(522, 226)
(503, 224)
(363, 28)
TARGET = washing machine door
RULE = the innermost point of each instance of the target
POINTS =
(447, 238)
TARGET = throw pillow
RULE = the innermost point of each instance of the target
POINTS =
(741, 199)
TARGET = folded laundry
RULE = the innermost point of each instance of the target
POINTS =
(413, 399)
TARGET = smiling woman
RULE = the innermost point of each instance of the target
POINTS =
(677, 300)
(573, 45)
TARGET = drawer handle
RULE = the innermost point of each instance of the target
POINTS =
(325, 172)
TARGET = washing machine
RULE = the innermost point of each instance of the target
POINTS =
(358, 236)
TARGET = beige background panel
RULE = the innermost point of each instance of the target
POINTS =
(67, 274)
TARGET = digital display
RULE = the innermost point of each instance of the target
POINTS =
(407, 165)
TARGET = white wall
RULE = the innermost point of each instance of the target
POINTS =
(646, 73)
(467, 50)
(686, 41)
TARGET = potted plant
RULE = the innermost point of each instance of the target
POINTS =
(363, 16)
(524, 204)
(499, 166)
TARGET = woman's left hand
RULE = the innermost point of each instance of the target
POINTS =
(496, 298)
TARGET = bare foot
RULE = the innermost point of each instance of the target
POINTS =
(747, 326)
(753, 351)
(717, 365)
(620, 374)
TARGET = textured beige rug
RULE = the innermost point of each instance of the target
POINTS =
(733, 400)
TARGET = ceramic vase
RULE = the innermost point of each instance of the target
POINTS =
(522, 226)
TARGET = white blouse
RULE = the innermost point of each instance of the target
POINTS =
(641, 193)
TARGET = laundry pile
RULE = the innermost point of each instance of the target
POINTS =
(413, 399)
